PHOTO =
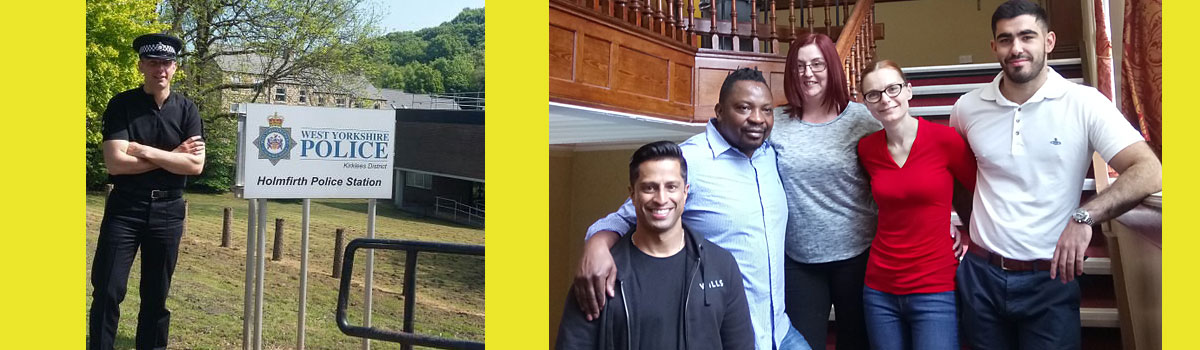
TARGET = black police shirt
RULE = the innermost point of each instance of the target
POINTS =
(134, 116)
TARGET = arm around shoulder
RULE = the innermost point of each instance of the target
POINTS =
(574, 330)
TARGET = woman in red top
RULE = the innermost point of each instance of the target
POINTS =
(909, 294)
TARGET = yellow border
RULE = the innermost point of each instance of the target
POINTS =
(1180, 304)
(42, 174)
(517, 174)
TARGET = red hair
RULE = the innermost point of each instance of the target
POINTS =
(836, 92)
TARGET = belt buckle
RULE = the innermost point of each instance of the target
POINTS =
(1002, 266)
(156, 194)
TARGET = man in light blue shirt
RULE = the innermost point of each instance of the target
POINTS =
(735, 200)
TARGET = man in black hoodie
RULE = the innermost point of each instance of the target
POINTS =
(674, 290)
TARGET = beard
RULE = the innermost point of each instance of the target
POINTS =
(1036, 65)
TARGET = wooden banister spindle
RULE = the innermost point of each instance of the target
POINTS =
(774, 36)
(637, 13)
(846, 68)
(810, 16)
(858, 55)
(660, 22)
(712, 11)
(691, 22)
(828, 23)
(621, 8)
(755, 45)
(845, 13)
(656, 17)
(733, 28)
(792, 18)
(673, 19)
(871, 32)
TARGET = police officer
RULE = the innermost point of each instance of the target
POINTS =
(152, 141)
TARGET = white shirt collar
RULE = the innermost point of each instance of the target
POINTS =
(1054, 87)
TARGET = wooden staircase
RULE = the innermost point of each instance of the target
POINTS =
(639, 60)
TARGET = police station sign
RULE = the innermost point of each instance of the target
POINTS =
(317, 152)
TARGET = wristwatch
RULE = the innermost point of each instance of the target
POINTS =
(1082, 216)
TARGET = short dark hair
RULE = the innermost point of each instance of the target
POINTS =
(752, 74)
(656, 151)
(1012, 8)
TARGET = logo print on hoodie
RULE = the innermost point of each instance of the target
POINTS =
(712, 284)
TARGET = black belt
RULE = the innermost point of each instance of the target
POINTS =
(1007, 264)
(146, 194)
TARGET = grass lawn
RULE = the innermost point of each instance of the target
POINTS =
(208, 286)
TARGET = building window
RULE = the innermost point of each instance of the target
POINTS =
(280, 94)
(419, 180)
(376, 105)
(303, 96)
(341, 102)
(321, 100)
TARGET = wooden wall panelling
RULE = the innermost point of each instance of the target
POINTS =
(713, 66)
(562, 52)
(616, 66)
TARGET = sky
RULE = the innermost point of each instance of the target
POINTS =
(405, 15)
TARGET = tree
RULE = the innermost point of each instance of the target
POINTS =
(457, 72)
(453, 49)
(446, 45)
(406, 47)
(307, 42)
(421, 78)
(304, 42)
(111, 66)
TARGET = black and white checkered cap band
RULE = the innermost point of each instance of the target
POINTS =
(157, 48)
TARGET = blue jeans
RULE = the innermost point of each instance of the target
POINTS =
(793, 340)
(1016, 309)
(911, 321)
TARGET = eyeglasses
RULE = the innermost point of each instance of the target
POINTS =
(891, 90)
(816, 66)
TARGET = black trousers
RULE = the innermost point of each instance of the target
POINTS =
(155, 227)
(811, 288)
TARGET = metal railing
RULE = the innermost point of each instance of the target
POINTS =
(452, 100)
(457, 211)
(406, 337)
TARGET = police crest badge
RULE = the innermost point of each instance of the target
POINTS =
(274, 141)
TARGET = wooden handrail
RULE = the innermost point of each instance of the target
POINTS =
(853, 27)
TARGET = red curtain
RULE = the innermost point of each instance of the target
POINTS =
(1141, 69)
(1104, 65)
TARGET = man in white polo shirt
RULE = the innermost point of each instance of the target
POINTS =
(1033, 134)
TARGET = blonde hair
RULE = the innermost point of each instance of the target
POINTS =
(881, 64)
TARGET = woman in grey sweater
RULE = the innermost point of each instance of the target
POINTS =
(831, 214)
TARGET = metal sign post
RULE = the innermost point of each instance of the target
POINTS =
(303, 272)
(249, 307)
(260, 272)
(370, 271)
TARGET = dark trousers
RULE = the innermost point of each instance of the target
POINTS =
(129, 223)
(1016, 310)
(811, 288)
